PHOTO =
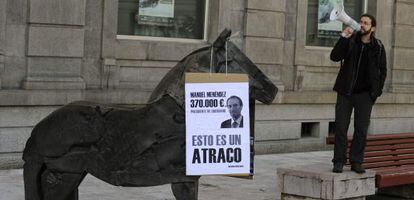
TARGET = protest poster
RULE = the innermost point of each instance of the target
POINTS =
(217, 124)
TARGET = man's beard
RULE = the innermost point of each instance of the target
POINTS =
(367, 32)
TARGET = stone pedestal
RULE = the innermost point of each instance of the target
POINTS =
(317, 181)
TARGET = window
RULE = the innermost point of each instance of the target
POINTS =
(322, 32)
(309, 129)
(331, 128)
(162, 18)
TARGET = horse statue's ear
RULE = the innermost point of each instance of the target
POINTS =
(221, 40)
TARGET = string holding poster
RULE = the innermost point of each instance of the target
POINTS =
(217, 124)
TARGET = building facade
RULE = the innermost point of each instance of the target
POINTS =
(53, 52)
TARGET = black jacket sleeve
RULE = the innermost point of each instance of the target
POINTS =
(382, 73)
(382, 68)
(340, 49)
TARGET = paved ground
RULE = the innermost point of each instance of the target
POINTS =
(262, 187)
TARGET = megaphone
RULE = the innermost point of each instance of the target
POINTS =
(339, 14)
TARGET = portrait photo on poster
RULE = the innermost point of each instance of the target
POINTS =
(234, 106)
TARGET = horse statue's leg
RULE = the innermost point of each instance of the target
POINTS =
(31, 175)
(185, 190)
(60, 185)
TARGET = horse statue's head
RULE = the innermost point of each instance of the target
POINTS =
(212, 59)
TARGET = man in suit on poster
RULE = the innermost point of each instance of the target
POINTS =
(235, 105)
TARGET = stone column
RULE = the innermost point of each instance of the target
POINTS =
(55, 44)
(265, 32)
(288, 68)
(109, 69)
(403, 51)
(233, 18)
(3, 5)
(1, 67)
(110, 78)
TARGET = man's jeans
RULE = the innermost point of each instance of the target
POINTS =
(362, 105)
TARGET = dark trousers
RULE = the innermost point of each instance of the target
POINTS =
(362, 105)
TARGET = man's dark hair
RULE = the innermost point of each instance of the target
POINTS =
(372, 18)
(235, 97)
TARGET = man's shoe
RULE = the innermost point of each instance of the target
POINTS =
(338, 167)
(357, 167)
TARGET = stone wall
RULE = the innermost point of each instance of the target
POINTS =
(14, 48)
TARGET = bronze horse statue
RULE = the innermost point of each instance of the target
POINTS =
(129, 146)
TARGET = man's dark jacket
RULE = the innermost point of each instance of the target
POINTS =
(346, 50)
(227, 124)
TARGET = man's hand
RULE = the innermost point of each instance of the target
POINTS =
(347, 32)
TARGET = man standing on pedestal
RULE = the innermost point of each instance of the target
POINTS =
(359, 83)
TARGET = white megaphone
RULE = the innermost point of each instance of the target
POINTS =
(340, 15)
